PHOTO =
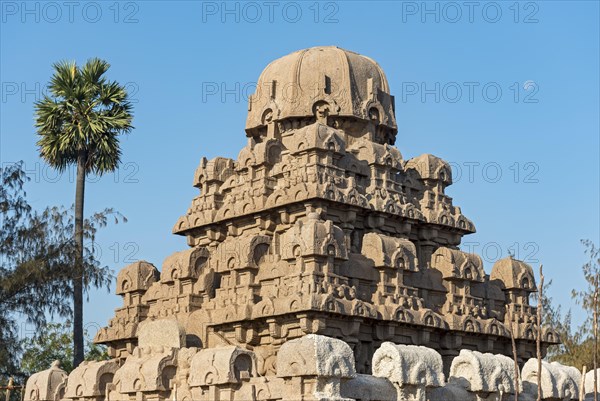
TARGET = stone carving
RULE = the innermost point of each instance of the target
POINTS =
(47, 385)
(559, 382)
(408, 365)
(221, 365)
(132, 284)
(145, 373)
(410, 368)
(483, 373)
(314, 355)
(319, 256)
(313, 367)
(150, 370)
(88, 381)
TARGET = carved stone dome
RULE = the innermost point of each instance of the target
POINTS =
(343, 85)
(513, 274)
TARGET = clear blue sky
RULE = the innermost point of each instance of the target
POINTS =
(507, 92)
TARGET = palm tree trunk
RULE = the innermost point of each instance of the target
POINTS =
(78, 276)
(538, 337)
(596, 284)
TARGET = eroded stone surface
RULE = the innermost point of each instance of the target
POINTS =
(315, 355)
(558, 381)
(483, 373)
(369, 388)
(407, 365)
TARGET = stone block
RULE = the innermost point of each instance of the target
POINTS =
(408, 365)
(148, 370)
(89, 379)
(315, 355)
(558, 381)
(369, 388)
(221, 365)
(161, 333)
(483, 373)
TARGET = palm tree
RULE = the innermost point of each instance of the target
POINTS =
(80, 123)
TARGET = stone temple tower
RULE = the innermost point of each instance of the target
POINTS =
(321, 265)
(320, 226)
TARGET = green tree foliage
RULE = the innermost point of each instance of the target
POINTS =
(79, 124)
(36, 259)
(55, 342)
(591, 273)
(577, 344)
